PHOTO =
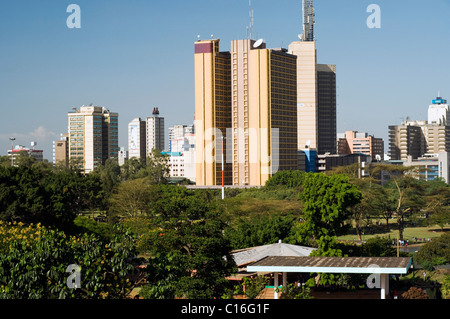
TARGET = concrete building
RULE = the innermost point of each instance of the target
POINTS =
(154, 132)
(406, 140)
(93, 136)
(316, 91)
(137, 145)
(182, 165)
(307, 116)
(432, 166)
(122, 156)
(417, 138)
(181, 138)
(439, 112)
(326, 109)
(61, 150)
(326, 162)
(352, 142)
(20, 150)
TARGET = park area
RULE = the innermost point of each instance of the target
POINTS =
(133, 233)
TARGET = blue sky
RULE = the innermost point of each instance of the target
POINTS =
(133, 55)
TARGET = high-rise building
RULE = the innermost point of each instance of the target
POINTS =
(326, 109)
(307, 117)
(316, 91)
(212, 112)
(352, 142)
(418, 138)
(61, 150)
(93, 136)
(264, 118)
(137, 138)
(155, 132)
(249, 94)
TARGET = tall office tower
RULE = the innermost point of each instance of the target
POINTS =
(326, 109)
(306, 92)
(264, 120)
(352, 142)
(155, 132)
(212, 112)
(249, 94)
(305, 50)
(93, 136)
(308, 21)
(137, 138)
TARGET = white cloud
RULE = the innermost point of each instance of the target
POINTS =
(40, 134)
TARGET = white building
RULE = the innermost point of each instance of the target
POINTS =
(22, 150)
(432, 166)
(182, 164)
(136, 138)
(123, 156)
(181, 138)
(155, 132)
(438, 112)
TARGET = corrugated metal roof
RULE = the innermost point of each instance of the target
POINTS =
(391, 265)
(249, 255)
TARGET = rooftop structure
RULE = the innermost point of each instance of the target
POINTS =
(308, 21)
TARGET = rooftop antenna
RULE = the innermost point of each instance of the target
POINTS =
(308, 21)
(250, 28)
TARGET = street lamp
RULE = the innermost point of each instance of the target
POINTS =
(12, 150)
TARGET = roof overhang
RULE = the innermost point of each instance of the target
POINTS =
(355, 265)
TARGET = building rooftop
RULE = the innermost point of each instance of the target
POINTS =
(371, 265)
(249, 255)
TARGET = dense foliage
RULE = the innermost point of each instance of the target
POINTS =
(53, 217)
(34, 262)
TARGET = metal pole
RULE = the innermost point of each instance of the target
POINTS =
(12, 150)
(223, 184)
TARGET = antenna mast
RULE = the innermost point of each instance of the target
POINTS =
(250, 34)
(308, 21)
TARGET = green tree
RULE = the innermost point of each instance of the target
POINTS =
(190, 256)
(437, 249)
(405, 189)
(157, 169)
(131, 198)
(35, 194)
(259, 230)
(287, 178)
(326, 201)
(33, 265)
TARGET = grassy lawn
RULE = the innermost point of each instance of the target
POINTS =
(408, 233)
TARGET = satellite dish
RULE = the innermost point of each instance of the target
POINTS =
(258, 43)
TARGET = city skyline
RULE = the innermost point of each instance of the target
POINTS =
(133, 56)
